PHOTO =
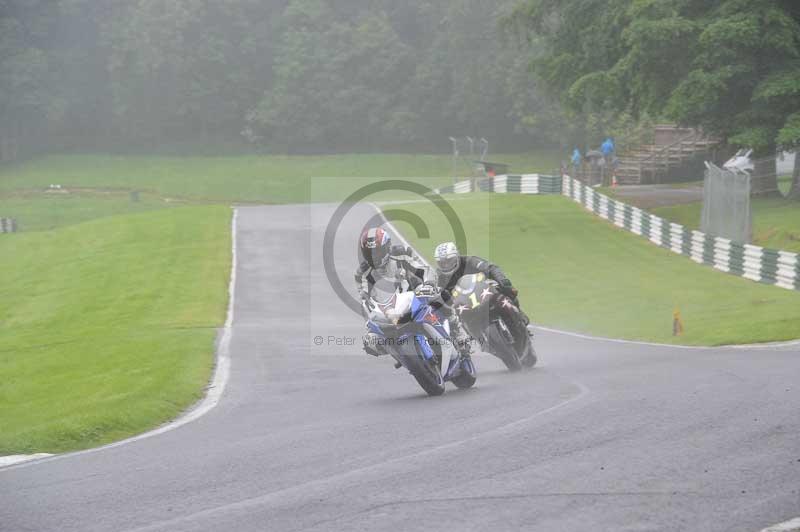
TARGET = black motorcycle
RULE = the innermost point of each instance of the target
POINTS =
(494, 320)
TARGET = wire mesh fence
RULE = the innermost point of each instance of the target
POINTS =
(764, 176)
(726, 204)
(467, 151)
(771, 175)
(787, 174)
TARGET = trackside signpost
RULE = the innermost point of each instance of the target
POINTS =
(8, 225)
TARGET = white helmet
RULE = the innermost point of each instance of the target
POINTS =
(447, 257)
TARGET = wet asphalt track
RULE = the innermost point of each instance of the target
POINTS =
(600, 436)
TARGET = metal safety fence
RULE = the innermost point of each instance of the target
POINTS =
(768, 266)
(726, 204)
(507, 184)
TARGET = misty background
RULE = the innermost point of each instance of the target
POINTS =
(299, 76)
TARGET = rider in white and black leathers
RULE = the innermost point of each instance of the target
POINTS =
(382, 260)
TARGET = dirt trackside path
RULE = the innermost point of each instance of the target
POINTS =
(651, 196)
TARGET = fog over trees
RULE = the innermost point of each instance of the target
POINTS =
(316, 76)
(297, 76)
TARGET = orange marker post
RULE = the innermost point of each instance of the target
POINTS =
(677, 323)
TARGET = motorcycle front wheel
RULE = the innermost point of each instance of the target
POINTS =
(467, 377)
(429, 378)
(502, 349)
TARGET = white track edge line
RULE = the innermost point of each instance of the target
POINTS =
(214, 389)
(14, 459)
(772, 345)
(787, 526)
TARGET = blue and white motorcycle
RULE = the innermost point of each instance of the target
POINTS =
(409, 329)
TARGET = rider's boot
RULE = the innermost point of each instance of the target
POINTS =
(462, 342)
(465, 348)
(526, 321)
(465, 352)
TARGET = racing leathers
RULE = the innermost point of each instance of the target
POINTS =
(402, 266)
(469, 265)
(404, 269)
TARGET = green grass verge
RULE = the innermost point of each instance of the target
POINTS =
(785, 184)
(107, 326)
(110, 305)
(268, 179)
(42, 211)
(776, 221)
(580, 273)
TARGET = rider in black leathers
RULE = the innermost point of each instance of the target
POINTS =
(451, 266)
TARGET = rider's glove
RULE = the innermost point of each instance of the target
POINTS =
(371, 351)
(446, 296)
(366, 299)
(507, 288)
(371, 344)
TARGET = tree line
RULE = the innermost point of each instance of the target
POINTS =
(296, 76)
(730, 67)
(287, 75)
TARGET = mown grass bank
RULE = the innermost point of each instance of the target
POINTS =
(776, 221)
(44, 211)
(111, 301)
(266, 179)
(107, 326)
(580, 273)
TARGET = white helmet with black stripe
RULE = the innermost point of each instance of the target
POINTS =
(447, 258)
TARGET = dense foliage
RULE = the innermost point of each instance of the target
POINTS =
(731, 67)
(292, 74)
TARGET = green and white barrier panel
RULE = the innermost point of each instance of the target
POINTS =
(508, 184)
(779, 268)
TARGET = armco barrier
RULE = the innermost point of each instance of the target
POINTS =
(779, 268)
(511, 184)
